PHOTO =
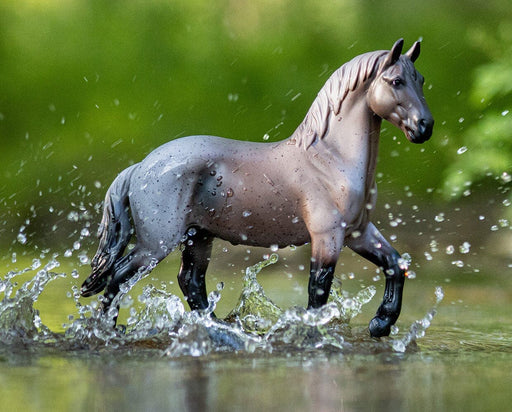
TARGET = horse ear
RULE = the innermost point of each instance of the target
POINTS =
(414, 51)
(394, 53)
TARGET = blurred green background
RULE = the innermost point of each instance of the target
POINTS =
(88, 87)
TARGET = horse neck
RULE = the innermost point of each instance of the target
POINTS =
(352, 138)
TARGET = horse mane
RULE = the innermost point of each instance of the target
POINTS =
(330, 97)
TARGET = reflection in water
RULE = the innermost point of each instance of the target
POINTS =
(300, 382)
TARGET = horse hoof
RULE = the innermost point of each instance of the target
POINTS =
(379, 327)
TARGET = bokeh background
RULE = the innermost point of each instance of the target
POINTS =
(88, 87)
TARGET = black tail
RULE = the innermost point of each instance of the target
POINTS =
(114, 234)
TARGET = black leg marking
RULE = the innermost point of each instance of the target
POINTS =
(194, 263)
(374, 247)
(125, 269)
(320, 281)
(389, 309)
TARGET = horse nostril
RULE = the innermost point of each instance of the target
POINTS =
(425, 127)
(422, 125)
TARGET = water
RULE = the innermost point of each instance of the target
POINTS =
(449, 347)
(255, 325)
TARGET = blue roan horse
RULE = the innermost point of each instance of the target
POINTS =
(316, 186)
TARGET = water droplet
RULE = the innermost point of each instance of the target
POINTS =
(462, 150)
(36, 263)
(21, 238)
(73, 216)
(274, 248)
(233, 97)
(439, 294)
(440, 217)
(266, 136)
(404, 261)
(505, 177)
(450, 249)
(246, 213)
(504, 112)
(464, 248)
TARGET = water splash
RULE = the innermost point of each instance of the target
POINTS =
(19, 320)
(418, 328)
(254, 310)
(159, 320)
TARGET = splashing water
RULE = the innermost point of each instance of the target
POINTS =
(418, 328)
(254, 310)
(19, 321)
(162, 323)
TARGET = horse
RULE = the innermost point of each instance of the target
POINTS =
(317, 186)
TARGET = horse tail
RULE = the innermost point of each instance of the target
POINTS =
(114, 233)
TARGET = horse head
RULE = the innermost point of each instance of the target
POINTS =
(396, 94)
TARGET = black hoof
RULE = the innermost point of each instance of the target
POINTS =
(380, 327)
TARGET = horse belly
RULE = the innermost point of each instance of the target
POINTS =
(251, 213)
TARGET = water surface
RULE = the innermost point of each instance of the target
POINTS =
(459, 358)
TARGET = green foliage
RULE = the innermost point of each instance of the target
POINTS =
(487, 143)
(88, 87)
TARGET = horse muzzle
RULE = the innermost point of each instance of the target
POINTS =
(421, 132)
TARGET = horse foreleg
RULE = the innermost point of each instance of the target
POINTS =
(374, 247)
(325, 250)
(194, 263)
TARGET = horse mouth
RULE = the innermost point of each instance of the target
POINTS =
(416, 137)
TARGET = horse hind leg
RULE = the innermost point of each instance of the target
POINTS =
(195, 258)
(138, 260)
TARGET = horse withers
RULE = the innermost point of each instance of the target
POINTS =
(316, 186)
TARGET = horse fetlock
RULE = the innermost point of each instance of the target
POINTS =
(381, 326)
(389, 309)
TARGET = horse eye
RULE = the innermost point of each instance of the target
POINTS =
(396, 82)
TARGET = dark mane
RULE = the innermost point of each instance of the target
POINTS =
(329, 99)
